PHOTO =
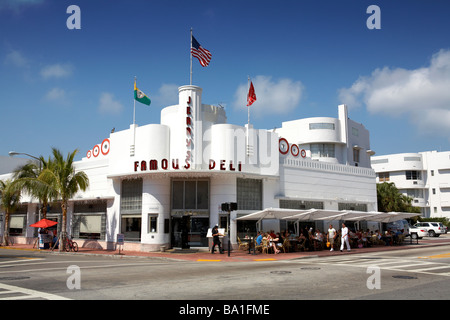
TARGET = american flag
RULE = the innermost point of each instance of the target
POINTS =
(203, 55)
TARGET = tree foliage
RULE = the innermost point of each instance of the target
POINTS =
(390, 199)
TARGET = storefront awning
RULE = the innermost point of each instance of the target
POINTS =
(271, 213)
(328, 215)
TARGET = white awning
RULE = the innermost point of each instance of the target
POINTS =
(271, 213)
(328, 215)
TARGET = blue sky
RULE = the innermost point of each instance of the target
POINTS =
(68, 88)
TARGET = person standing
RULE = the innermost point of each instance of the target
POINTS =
(344, 237)
(330, 236)
(216, 240)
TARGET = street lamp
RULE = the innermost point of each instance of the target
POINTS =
(14, 153)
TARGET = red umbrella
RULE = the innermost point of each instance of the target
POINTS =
(43, 223)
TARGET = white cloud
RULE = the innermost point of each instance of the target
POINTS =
(56, 94)
(17, 5)
(56, 71)
(422, 94)
(167, 95)
(272, 96)
(17, 59)
(108, 104)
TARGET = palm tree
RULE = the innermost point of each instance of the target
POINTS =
(63, 183)
(27, 177)
(390, 199)
(9, 200)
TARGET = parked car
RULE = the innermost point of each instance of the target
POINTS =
(417, 232)
(434, 229)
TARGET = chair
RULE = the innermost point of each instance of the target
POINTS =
(266, 246)
(242, 245)
(301, 245)
(286, 245)
(258, 247)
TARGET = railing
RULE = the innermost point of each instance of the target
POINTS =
(331, 167)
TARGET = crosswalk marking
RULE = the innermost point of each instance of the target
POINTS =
(18, 293)
(418, 265)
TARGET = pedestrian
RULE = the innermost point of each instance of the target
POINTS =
(330, 236)
(344, 237)
(216, 240)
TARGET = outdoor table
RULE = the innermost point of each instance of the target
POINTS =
(251, 244)
(293, 243)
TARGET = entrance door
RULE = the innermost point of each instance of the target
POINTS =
(198, 232)
(180, 232)
(188, 232)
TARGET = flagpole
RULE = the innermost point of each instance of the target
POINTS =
(190, 54)
(248, 121)
(134, 107)
(248, 107)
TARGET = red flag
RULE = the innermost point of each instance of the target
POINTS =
(251, 97)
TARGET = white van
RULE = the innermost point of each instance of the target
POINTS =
(399, 225)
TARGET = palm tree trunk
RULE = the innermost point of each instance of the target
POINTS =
(62, 242)
(5, 241)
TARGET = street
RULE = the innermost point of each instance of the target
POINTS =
(414, 274)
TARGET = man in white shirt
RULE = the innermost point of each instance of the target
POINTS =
(344, 237)
(330, 236)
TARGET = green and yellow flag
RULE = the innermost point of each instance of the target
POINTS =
(140, 96)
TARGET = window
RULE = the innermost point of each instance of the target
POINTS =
(17, 225)
(412, 159)
(249, 194)
(131, 199)
(152, 223)
(321, 125)
(322, 150)
(413, 175)
(131, 209)
(131, 227)
(89, 220)
(383, 176)
(190, 195)
(352, 206)
(300, 204)
(379, 161)
(355, 155)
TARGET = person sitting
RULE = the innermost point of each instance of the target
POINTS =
(387, 238)
(280, 240)
(259, 238)
(272, 243)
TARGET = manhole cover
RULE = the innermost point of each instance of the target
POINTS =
(310, 268)
(13, 278)
(280, 272)
(404, 277)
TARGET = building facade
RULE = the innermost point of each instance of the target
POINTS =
(163, 184)
(423, 176)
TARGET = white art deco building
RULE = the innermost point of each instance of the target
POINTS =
(423, 176)
(163, 184)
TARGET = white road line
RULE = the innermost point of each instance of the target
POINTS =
(431, 268)
(423, 267)
(28, 293)
(82, 267)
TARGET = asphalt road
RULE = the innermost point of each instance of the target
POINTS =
(414, 274)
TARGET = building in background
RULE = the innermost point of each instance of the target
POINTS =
(163, 184)
(423, 176)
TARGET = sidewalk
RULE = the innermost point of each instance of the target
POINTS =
(235, 255)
